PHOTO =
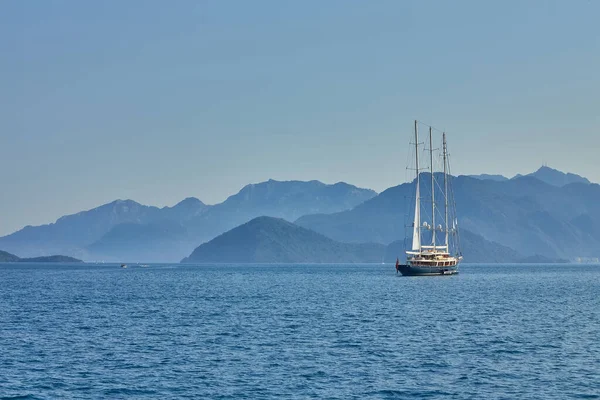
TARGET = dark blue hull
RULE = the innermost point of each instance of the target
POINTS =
(408, 270)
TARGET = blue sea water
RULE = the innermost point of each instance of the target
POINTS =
(298, 331)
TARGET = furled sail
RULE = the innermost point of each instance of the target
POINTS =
(416, 242)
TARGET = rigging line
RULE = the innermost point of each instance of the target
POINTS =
(407, 220)
(409, 158)
(431, 126)
(445, 197)
(439, 187)
(457, 246)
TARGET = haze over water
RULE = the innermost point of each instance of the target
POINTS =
(299, 331)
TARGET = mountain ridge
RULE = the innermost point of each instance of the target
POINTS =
(524, 214)
(544, 173)
(274, 240)
(87, 234)
(557, 178)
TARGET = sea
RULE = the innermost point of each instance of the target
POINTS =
(298, 332)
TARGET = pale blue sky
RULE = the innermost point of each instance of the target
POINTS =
(156, 101)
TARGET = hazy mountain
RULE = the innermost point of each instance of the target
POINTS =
(184, 210)
(158, 241)
(497, 178)
(128, 231)
(71, 233)
(163, 239)
(545, 174)
(274, 240)
(524, 214)
(556, 178)
(7, 257)
(288, 200)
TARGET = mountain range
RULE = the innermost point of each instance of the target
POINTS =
(545, 174)
(525, 214)
(274, 240)
(537, 215)
(126, 230)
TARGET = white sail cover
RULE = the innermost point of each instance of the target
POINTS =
(416, 242)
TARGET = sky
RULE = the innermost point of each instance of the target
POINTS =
(157, 101)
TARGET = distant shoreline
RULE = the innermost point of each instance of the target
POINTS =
(6, 257)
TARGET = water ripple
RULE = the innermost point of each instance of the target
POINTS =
(298, 331)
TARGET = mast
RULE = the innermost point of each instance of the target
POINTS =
(416, 244)
(432, 192)
(445, 192)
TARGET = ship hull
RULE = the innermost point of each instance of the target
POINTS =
(409, 270)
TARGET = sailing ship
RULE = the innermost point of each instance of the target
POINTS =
(434, 258)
